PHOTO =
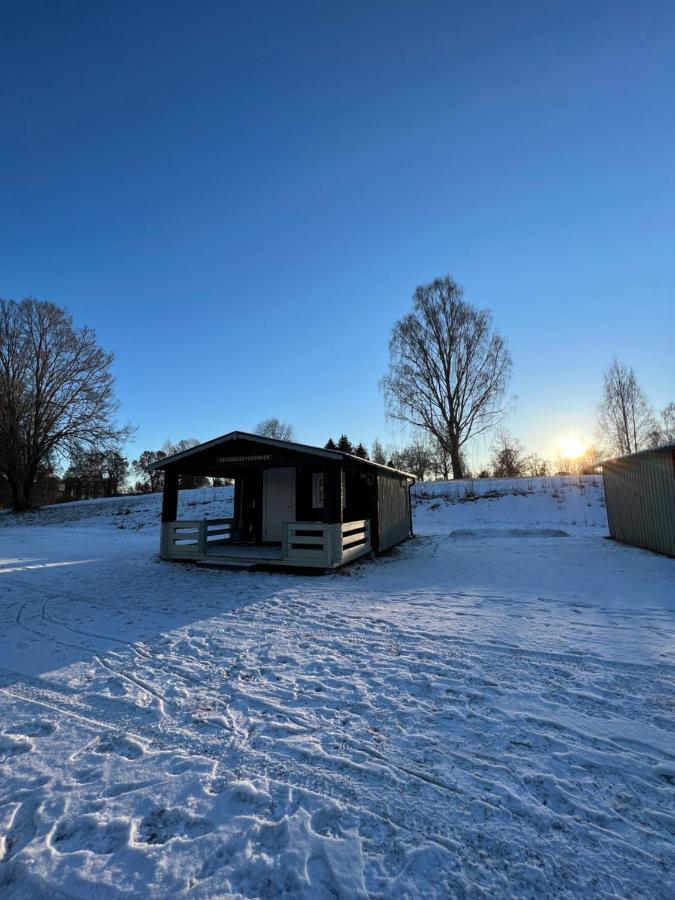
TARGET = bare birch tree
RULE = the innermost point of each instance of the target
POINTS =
(56, 393)
(448, 369)
(377, 453)
(626, 418)
(275, 428)
(664, 427)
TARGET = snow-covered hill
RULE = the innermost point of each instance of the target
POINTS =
(571, 503)
(135, 513)
(574, 504)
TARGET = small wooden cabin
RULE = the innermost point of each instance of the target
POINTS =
(294, 505)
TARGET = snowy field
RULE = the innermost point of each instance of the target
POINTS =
(488, 711)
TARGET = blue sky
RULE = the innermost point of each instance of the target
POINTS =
(241, 198)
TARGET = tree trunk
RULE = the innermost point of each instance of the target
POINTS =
(456, 461)
(21, 495)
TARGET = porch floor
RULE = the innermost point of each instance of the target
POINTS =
(245, 553)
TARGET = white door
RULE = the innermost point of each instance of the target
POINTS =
(278, 501)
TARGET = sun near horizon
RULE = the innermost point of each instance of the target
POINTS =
(571, 446)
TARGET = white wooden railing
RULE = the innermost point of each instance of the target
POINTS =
(314, 544)
(186, 539)
(355, 539)
(319, 544)
(307, 543)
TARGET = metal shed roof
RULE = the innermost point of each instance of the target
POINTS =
(670, 445)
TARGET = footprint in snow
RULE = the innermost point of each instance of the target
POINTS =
(20, 831)
(179, 766)
(216, 861)
(120, 745)
(36, 728)
(326, 822)
(114, 688)
(86, 776)
(126, 787)
(163, 825)
(89, 833)
(10, 747)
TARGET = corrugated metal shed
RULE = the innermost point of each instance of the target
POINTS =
(393, 505)
(640, 498)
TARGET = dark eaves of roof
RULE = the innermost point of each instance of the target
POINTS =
(271, 442)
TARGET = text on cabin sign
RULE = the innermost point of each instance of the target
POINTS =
(260, 457)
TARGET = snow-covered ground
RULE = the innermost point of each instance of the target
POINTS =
(489, 710)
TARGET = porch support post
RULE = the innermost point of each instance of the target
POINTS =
(332, 493)
(170, 496)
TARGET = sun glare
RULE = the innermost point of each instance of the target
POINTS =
(571, 447)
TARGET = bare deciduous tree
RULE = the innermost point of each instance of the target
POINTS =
(418, 458)
(535, 466)
(442, 462)
(151, 479)
(448, 369)
(377, 453)
(186, 480)
(95, 474)
(275, 428)
(664, 428)
(668, 422)
(56, 393)
(508, 457)
(589, 460)
(626, 418)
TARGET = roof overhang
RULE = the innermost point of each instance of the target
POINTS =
(287, 446)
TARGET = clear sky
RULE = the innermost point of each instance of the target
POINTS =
(241, 197)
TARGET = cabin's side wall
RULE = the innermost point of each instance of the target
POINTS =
(393, 511)
(640, 499)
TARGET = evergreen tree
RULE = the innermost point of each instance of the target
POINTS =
(344, 445)
(330, 444)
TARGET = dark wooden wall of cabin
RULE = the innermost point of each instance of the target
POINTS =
(248, 499)
(361, 496)
(304, 511)
(248, 505)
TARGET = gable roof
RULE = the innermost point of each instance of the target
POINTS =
(336, 455)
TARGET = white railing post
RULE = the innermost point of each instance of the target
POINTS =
(337, 544)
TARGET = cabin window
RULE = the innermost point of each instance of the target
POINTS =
(317, 490)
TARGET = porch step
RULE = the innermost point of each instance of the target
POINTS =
(224, 563)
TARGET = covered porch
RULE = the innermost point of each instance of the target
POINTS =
(293, 505)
